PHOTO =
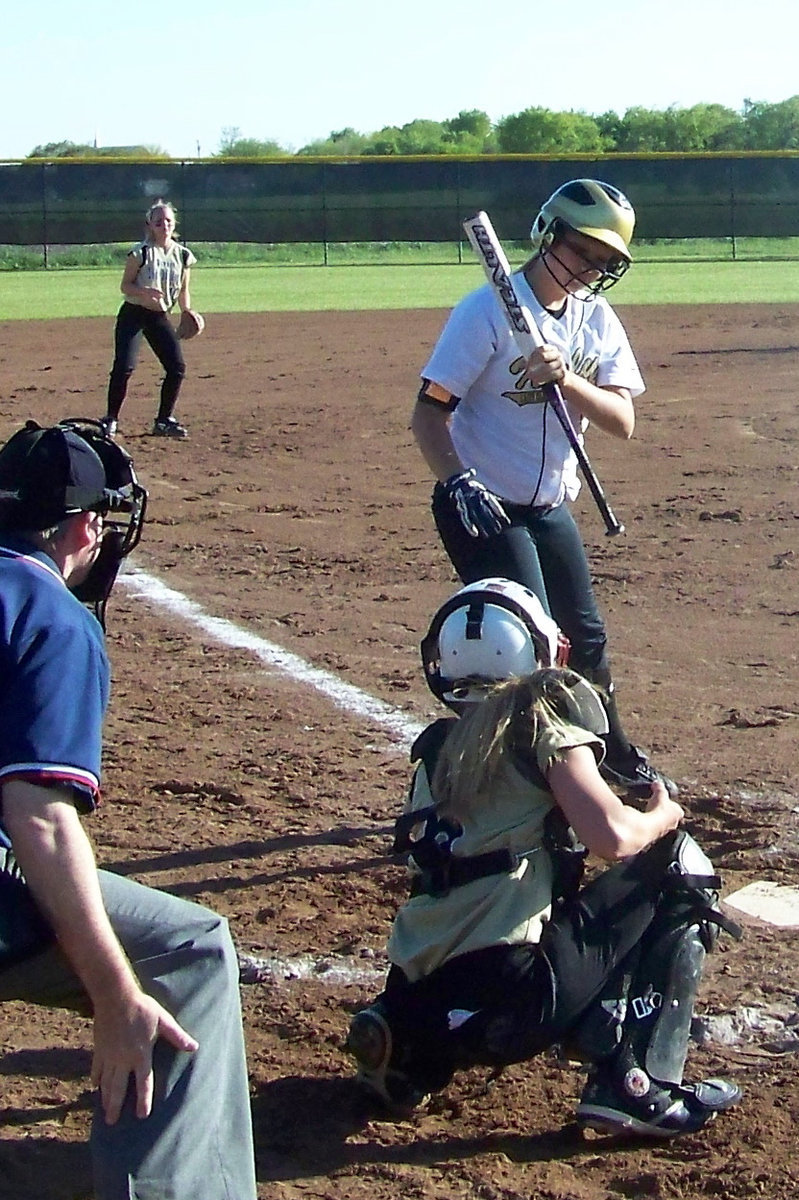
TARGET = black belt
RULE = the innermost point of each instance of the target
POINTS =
(456, 872)
(527, 510)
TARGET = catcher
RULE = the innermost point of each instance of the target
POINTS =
(501, 951)
(156, 277)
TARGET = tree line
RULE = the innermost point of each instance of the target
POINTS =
(536, 130)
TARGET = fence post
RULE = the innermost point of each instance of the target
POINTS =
(182, 209)
(459, 215)
(324, 215)
(44, 216)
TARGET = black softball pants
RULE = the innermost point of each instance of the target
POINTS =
(525, 998)
(543, 550)
(134, 322)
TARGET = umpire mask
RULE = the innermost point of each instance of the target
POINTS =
(126, 503)
(49, 474)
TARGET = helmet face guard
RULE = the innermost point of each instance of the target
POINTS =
(607, 272)
(597, 210)
(489, 631)
(124, 510)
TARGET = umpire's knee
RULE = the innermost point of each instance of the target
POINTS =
(218, 947)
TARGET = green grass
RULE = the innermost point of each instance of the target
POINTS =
(308, 254)
(28, 295)
(244, 254)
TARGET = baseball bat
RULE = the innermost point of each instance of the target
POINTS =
(527, 337)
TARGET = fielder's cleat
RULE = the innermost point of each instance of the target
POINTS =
(170, 428)
(635, 773)
(109, 426)
(634, 1103)
(370, 1043)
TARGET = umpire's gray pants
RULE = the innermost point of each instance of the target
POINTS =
(197, 1142)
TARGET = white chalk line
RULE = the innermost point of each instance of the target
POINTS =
(344, 695)
(330, 969)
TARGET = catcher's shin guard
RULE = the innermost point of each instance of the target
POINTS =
(663, 990)
(661, 1003)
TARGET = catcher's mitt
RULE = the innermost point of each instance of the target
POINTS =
(190, 324)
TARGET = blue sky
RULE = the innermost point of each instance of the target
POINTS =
(178, 75)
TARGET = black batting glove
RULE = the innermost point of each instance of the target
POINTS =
(480, 511)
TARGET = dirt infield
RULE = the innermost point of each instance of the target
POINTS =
(298, 512)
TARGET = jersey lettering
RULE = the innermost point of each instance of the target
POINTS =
(524, 391)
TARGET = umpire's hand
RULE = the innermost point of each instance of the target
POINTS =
(125, 1031)
(480, 511)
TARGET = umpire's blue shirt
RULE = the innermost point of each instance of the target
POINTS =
(54, 677)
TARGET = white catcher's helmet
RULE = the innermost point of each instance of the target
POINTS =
(489, 630)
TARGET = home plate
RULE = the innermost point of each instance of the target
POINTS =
(772, 902)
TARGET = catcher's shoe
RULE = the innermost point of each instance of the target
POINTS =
(170, 428)
(109, 426)
(370, 1043)
(635, 773)
(634, 1103)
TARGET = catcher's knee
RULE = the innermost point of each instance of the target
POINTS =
(691, 888)
(498, 1039)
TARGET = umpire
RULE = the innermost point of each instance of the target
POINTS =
(158, 975)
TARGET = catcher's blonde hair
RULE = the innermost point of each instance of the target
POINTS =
(503, 725)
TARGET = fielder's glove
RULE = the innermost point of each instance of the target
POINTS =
(480, 511)
(190, 324)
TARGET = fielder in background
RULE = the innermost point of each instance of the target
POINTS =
(504, 466)
(156, 277)
(501, 952)
(158, 975)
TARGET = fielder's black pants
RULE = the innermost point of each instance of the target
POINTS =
(134, 322)
(543, 550)
(524, 998)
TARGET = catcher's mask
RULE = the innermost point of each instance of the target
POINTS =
(49, 474)
(491, 630)
(599, 211)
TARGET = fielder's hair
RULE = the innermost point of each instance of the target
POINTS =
(160, 203)
(502, 727)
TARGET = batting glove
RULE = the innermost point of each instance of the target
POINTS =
(480, 511)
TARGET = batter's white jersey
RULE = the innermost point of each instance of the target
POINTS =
(162, 269)
(504, 429)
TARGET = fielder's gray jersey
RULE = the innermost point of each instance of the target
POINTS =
(504, 429)
(162, 269)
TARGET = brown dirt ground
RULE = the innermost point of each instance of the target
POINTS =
(299, 511)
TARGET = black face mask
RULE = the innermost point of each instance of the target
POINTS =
(124, 509)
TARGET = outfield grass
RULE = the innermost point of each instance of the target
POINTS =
(31, 295)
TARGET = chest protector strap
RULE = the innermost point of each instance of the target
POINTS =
(430, 855)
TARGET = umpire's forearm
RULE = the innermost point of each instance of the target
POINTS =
(58, 863)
